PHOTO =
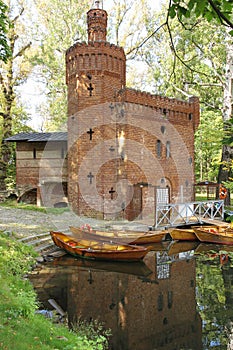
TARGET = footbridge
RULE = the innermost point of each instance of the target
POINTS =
(171, 215)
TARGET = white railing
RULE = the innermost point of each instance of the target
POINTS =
(187, 213)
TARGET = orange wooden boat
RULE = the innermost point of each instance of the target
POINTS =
(128, 237)
(94, 250)
(215, 234)
(177, 247)
(182, 234)
(136, 268)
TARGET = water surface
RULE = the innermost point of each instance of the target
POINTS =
(180, 297)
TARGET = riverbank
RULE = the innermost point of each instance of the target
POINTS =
(21, 328)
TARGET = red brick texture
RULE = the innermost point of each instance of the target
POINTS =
(114, 166)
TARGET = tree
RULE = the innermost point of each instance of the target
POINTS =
(222, 13)
(12, 74)
(211, 10)
(193, 66)
(198, 53)
(225, 169)
(4, 47)
(60, 25)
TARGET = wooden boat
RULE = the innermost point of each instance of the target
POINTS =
(136, 268)
(129, 237)
(182, 234)
(177, 247)
(215, 234)
(213, 222)
(94, 250)
(158, 247)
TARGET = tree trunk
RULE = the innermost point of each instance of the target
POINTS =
(11, 74)
(6, 113)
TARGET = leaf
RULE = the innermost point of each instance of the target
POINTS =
(191, 4)
(182, 10)
(227, 6)
(209, 16)
(201, 6)
(172, 11)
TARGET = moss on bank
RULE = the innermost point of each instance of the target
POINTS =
(20, 327)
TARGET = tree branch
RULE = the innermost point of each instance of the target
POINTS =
(145, 40)
(21, 52)
(20, 14)
(182, 91)
(220, 14)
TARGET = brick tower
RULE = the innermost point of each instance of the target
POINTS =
(95, 75)
(127, 149)
(96, 70)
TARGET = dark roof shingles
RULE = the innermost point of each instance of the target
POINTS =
(38, 137)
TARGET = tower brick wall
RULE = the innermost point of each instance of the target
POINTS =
(124, 145)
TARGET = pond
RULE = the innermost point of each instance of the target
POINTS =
(180, 297)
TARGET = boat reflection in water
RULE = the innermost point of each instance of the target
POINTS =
(147, 305)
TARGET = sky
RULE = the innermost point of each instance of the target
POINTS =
(107, 4)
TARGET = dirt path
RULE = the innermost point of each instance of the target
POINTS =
(27, 222)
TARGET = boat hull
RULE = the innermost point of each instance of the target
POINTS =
(177, 247)
(129, 237)
(214, 235)
(183, 234)
(136, 268)
(98, 250)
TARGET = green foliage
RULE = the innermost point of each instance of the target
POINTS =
(15, 261)
(13, 73)
(213, 297)
(93, 331)
(228, 132)
(60, 25)
(214, 10)
(5, 51)
(195, 52)
(14, 204)
(20, 327)
(208, 140)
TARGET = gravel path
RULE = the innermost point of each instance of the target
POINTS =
(27, 222)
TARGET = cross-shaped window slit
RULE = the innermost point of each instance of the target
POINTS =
(90, 177)
(90, 89)
(90, 132)
(112, 192)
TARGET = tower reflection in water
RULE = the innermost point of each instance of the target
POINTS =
(147, 305)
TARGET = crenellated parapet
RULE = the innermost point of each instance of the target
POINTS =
(95, 56)
(168, 107)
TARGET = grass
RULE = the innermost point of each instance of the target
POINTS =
(14, 204)
(20, 327)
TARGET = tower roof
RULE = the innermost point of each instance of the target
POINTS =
(97, 22)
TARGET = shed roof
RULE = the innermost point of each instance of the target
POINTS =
(38, 137)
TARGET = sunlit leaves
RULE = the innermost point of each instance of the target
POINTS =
(5, 51)
(61, 24)
(211, 10)
(228, 137)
